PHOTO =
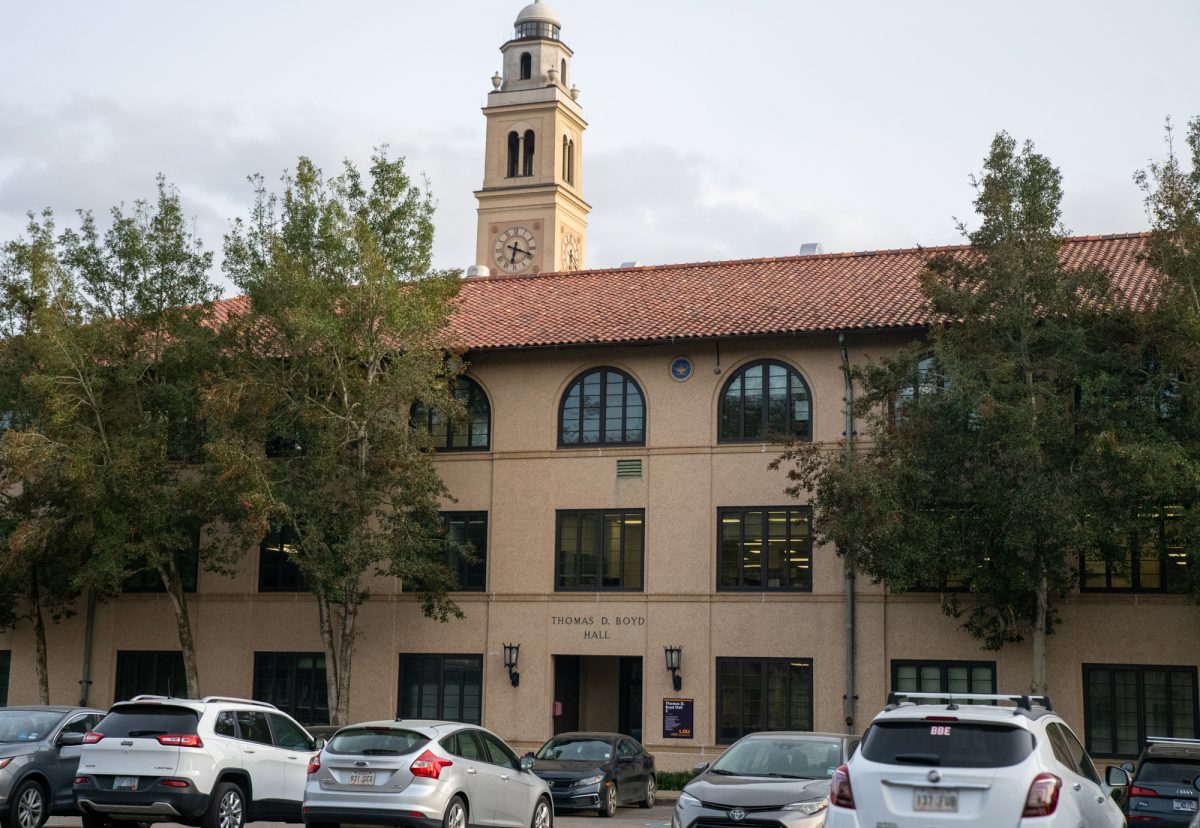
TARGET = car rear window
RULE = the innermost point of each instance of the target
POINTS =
(1171, 771)
(134, 720)
(946, 744)
(376, 741)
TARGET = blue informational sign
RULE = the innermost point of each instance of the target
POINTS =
(681, 368)
(677, 719)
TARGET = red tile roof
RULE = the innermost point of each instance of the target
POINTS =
(748, 297)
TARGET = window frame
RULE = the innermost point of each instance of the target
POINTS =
(1169, 581)
(764, 696)
(628, 382)
(287, 661)
(158, 666)
(474, 391)
(766, 436)
(1140, 692)
(742, 511)
(5, 675)
(481, 553)
(442, 658)
(943, 666)
(559, 568)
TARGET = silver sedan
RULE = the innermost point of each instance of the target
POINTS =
(422, 774)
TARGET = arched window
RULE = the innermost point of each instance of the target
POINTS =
(765, 401)
(563, 72)
(570, 162)
(526, 66)
(514, 153)
(566, 173)
(474, 435)
(527, 167)
(602, 407)
(927, 381)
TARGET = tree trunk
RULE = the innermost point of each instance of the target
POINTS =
(1038, 686)
(332, 688)
(168, 570)
(346, 654)
(39, 639)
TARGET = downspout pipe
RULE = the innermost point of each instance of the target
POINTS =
(850, 697)
(85, 680)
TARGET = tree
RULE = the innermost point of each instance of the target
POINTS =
(346, 327)
(120, 350)
(970, 472)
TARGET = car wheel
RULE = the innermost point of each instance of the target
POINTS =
(608, 800)
(456, 814)
(27, 809)
(651, 792)
(227, 809)
(543, 815)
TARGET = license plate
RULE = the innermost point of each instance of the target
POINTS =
(125, 783)
(1188, 805)
(362, 778)
(935, 799)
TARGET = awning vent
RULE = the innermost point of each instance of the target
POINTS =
(629, 468)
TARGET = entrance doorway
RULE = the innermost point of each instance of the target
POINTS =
(598, 693)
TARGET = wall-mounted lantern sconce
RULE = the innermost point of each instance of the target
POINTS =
(511, 653)
(674, 653)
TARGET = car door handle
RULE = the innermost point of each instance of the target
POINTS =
(1076, 786)
(247, 751)
(292, 756)
(470, 770)
(504, 777)
(1099, 799)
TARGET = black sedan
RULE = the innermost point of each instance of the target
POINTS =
(596, 772)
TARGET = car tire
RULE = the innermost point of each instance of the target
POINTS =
(91, 819)
(543, 814)
(608, 800)
(651, 792)
(28, 807)
(226, 809)
(456, 813)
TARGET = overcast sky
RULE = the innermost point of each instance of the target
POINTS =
(717, 130)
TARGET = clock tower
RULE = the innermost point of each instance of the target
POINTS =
(532, 216)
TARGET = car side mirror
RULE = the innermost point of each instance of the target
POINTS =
(1127, 766)
(70, 739)
(527, 762)
(318, 743)
(699, 768)
(1116, 777)
(1196, 783)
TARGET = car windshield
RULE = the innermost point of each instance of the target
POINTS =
(790, 758)
(27, 725)
(947, 744)
(581, 749)
(376, 741)
(1170, 771)
(146, 720)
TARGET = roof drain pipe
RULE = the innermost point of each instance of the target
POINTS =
(850, 696)
(89, 623)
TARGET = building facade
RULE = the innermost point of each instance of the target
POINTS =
(614, 479)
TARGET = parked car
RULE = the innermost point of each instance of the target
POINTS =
(420, 773)
(39, 750)
(217, 762)
(1163, 789)
(779, 777)
(596, 772)
(952, 763)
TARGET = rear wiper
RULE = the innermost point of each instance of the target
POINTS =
(381, 752)
(136, 733)
(918, 758)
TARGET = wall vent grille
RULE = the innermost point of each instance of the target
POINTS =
(629, 468)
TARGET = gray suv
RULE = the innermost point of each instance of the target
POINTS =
(39, 752)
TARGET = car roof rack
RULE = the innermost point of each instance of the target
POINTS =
(148, 697)
(235, 700)
(1026, 704)
(1172, 740)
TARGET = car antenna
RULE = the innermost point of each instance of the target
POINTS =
(951, 705)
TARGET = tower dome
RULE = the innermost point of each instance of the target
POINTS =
(538, 19)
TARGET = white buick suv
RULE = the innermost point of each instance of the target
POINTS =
(218, 763)
(1009, 761)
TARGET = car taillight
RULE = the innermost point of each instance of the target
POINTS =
(81, 780)
(314, 764)
(1043, 795)
(429, 765)
(180, 740)
(91, 737)
(1135, 790)
(174, 783)
(840, 792)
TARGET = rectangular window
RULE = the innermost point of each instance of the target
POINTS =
(295, 683)
(600, 550)
(944, 676)
(158, 673)
(765, 548)
(1152, 559)
(277, 568)
(763, 694)
(1124, 704)
(463, 528)
(188, 561)
(448, 687)
(5, 669)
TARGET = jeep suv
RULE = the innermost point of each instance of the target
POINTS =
(956, 763)
(217, 762)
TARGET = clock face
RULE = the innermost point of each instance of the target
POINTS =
(514, 249)
(571, 259)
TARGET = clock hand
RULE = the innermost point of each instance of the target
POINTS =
(513, 258)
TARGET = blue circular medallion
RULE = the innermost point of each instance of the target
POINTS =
(681, 369)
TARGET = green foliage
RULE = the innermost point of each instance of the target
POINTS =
(673, 780)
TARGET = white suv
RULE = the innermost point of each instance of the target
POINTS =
(217, 763)
(958, 764)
